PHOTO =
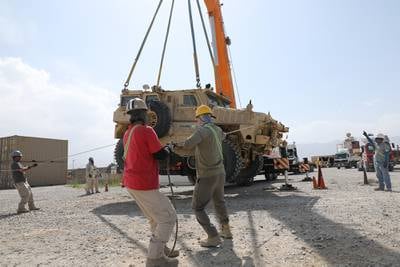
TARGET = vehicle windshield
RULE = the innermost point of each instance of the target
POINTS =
(216, 101)
(341, 156)
(125, 99)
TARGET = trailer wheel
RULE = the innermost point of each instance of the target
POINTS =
(118, 154)
(246, 176)
(232, 160)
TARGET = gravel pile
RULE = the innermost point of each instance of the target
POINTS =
(348, 225)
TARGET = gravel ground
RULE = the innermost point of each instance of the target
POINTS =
(347, 225)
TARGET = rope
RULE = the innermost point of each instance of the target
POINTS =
(58, 160)
(196, 63)
(141, 46)
(173, 204)
(165, 43)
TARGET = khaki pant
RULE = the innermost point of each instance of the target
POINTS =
(92, 185)
(205, 190)
(25, 192)
(161, 215)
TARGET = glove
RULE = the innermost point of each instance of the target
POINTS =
(170, 147)
(34, 165)
(365, 133)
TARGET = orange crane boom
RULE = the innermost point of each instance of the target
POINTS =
(223, 76)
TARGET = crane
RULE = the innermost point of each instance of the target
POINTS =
(223, 76)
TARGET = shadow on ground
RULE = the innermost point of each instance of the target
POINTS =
(337, 243)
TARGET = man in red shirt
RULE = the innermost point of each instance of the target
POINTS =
(142, 149)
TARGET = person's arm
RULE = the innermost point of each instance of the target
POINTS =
(20, 168)
(162, 154)
(155, 147)
(369, 139)
(193, 140)
(387, 156)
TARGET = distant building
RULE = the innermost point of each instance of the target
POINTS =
(51, 155)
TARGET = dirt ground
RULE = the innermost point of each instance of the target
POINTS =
(347, 225)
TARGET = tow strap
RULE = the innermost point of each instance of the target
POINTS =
(128, 142)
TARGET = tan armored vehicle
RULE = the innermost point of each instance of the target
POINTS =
(172, 115)
(249, 134)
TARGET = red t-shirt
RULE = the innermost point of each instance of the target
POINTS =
(141, 169)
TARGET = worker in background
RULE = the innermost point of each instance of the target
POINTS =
(142, 149)
(21, 183)
(381, 161)
(91, 173)
(97, 176)
(210, 171)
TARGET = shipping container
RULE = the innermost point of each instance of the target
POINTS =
(51, 155)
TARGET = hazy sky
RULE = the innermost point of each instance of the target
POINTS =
(323, 68)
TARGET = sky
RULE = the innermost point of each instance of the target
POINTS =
(323, 68)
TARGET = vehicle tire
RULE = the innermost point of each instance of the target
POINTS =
(232, 160)
(162, 122)
(118, 154)
(246, 176)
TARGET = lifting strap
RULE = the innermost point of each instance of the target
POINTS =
(165, 43)
(141, 46)
(196, 62)
(128, 142)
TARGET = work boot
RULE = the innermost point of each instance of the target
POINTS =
(22, 211)
(162, 262)
(214, 241)
(169, 254)
(389, 189)
(378, 189)
(226, 231)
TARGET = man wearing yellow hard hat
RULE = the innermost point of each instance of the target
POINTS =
(210, 172)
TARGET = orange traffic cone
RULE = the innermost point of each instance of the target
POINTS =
(314, 183)
(321, 182)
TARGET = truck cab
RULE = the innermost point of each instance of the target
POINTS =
(342, 158)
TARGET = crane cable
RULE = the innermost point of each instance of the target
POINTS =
(234, 76)
(165, 43)
(141, 46)
(196, 62)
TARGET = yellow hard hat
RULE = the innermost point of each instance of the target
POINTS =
(202, 110)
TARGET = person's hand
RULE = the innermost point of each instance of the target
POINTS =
(170, 147)
(386, 165)
(365, 133)
(34, 165)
